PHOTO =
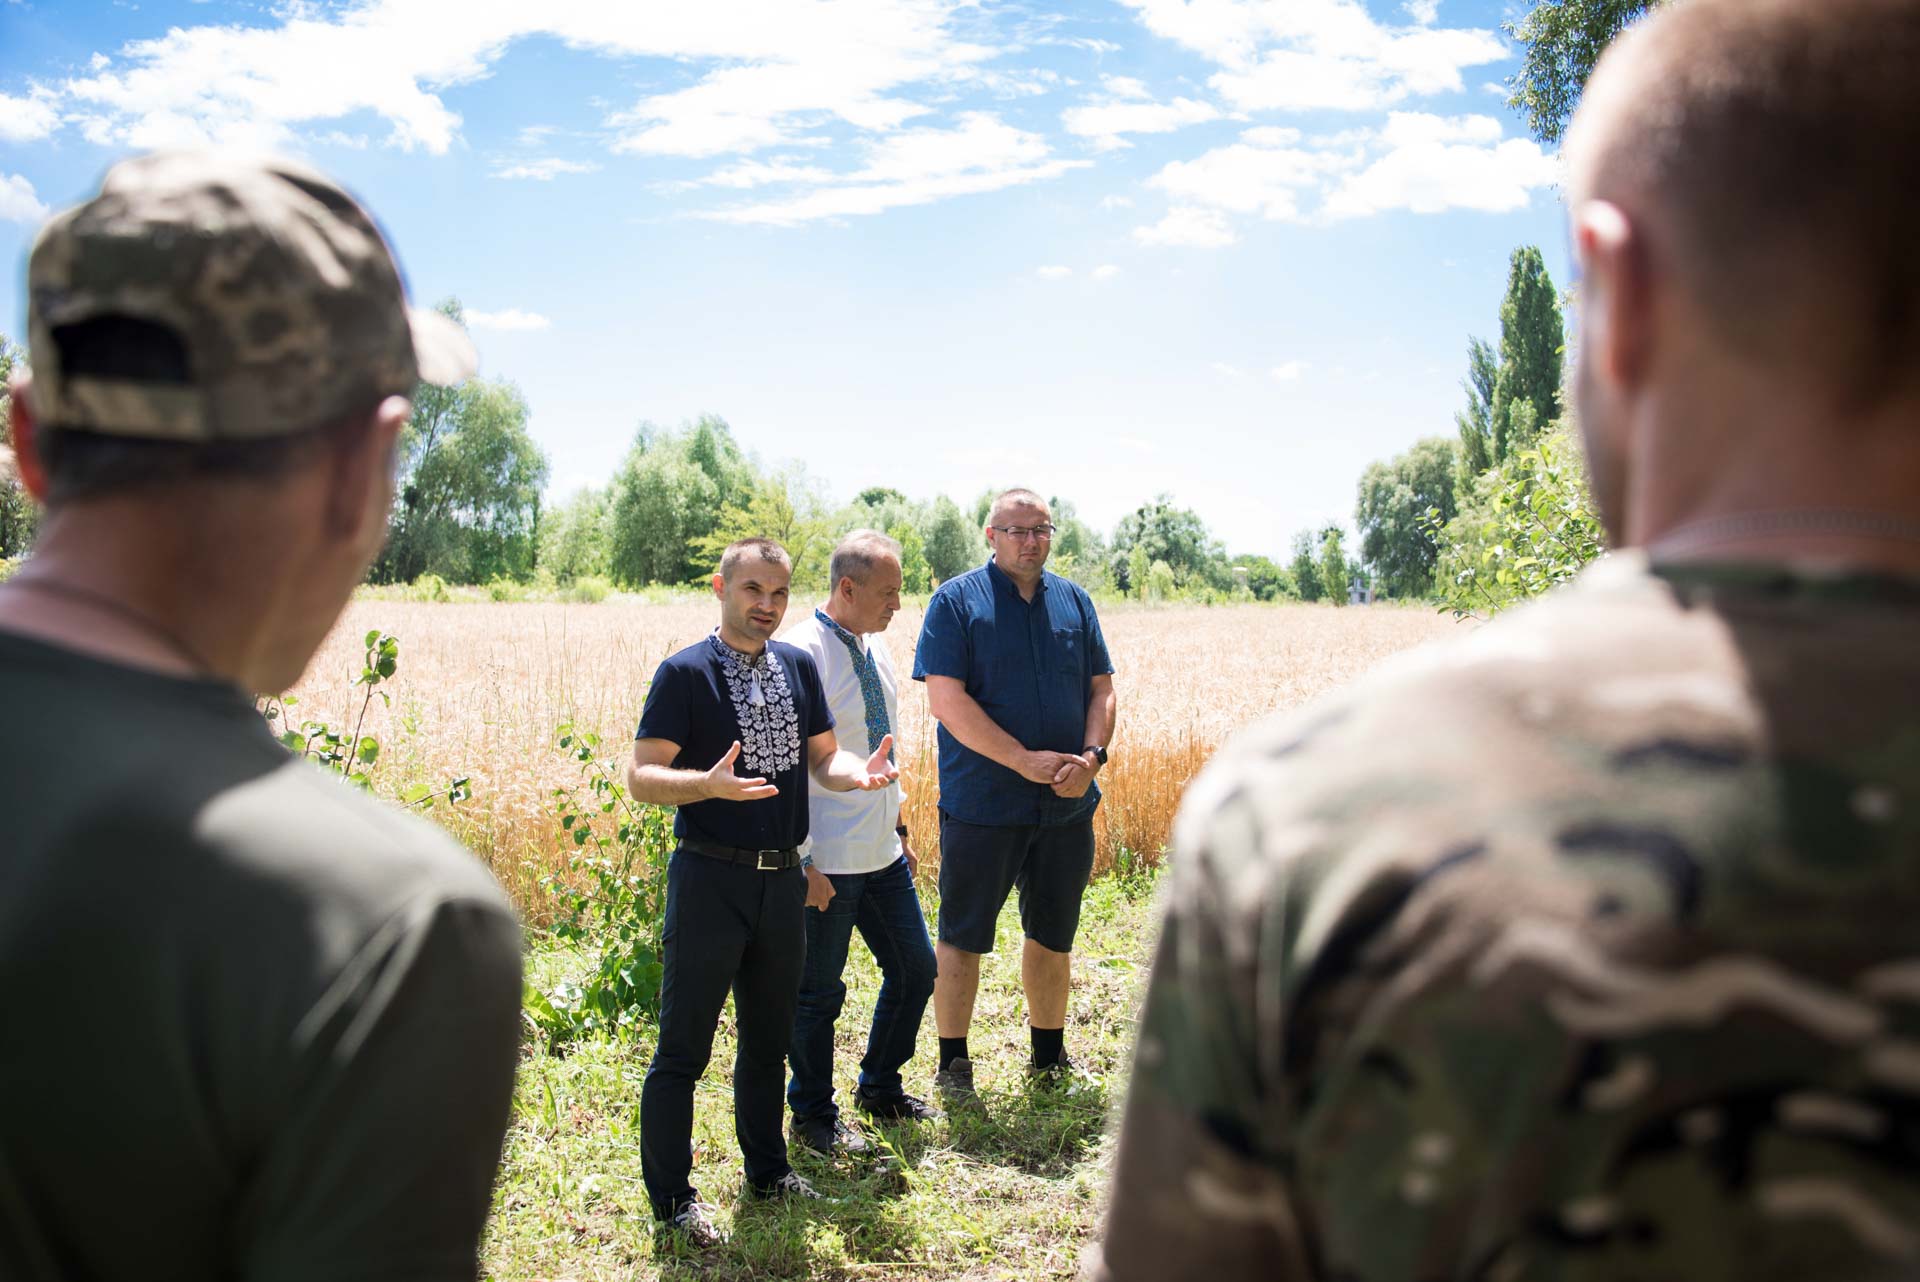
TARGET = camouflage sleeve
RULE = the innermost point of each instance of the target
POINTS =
(1197, 1191)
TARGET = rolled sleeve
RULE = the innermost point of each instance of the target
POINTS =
(1099, 662)
(668, 711)
(942, 649)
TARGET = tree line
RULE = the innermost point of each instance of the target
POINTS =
(468, 504)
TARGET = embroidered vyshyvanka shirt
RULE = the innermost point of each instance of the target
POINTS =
(852, 832)
(708, 695)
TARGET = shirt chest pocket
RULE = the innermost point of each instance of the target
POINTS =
(1067, 651)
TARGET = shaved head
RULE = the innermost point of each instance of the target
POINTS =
(1766, 150)
(746, 552)
(1016, 498)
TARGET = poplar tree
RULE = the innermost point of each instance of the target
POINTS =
(1526, 391)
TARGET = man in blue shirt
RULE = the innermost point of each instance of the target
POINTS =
(736, 889)
(1018, 677)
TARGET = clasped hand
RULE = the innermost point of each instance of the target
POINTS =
(1068, 774)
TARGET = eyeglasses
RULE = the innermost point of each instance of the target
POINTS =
(1022, 533)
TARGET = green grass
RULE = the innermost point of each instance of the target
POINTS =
(1012, 1191)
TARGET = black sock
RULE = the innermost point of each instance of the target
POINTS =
(952, 1048)
(1049, 1046)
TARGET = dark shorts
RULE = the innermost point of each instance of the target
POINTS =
(980, 864)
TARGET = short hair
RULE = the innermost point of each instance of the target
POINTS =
(857, 554)
(1777, 139)
(82, 463)
(741, 552)
(1016, 497)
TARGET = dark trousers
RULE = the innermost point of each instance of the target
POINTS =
(727, 927)
(884, 907)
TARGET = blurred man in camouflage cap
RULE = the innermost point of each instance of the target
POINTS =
(257, 1025)
(1589, 947)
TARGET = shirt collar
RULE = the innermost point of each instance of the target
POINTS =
(828, 622)
(727, 652)
(1002, 579)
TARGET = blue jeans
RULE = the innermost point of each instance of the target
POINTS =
(886, 909)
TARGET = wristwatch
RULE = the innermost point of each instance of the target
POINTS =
(1097, 751)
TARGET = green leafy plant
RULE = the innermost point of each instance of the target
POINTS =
(1528, 527)
(354, 755)
(610, 901)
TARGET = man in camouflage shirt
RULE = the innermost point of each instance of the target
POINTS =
(1589, 946)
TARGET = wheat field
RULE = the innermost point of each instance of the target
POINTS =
(482, 687)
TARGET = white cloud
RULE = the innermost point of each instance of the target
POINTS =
(1248, 179)
(1424, 12)
(1305, 55)
(1092, 44)
(1125, 87)
(915, 166)
(1413, 129)
(1418, 162)
(1116, 201)
(543, 170)
(1186, 225)
(1231, 371)
(775, 66)
(1270, 136)
(1431, 177)
(1290, 371)
(1053, 272)
(18, 203)
(512, 320)
(1106, 121)
(759, 173)
(26, 119)
(1106, 271)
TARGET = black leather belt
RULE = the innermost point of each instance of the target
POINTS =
(760, 860)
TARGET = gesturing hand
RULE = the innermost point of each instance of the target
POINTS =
(879, 771)
(724, 785)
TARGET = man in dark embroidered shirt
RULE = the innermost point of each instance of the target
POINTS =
(1018, 677)
(736, 886)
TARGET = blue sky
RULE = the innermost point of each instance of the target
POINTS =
(1230, 250)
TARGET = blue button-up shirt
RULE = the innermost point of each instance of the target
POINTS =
(1030, 666)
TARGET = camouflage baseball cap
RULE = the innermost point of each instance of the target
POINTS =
(287, 303)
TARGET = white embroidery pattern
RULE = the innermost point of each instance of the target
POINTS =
(763, 707)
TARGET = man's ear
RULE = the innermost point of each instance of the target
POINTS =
(361, 470)
(1617, 287)
(25, 434)
(720, 586)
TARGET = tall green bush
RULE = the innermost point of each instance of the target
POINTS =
(1525, 526)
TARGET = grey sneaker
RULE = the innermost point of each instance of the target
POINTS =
(826, 1136)
(955, 1082)
(789, 1187)
(695, 1227)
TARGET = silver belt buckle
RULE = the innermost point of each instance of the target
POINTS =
(760, 863)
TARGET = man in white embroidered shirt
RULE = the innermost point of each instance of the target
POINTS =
(859, 842)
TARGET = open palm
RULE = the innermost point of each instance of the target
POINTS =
(880, 771)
